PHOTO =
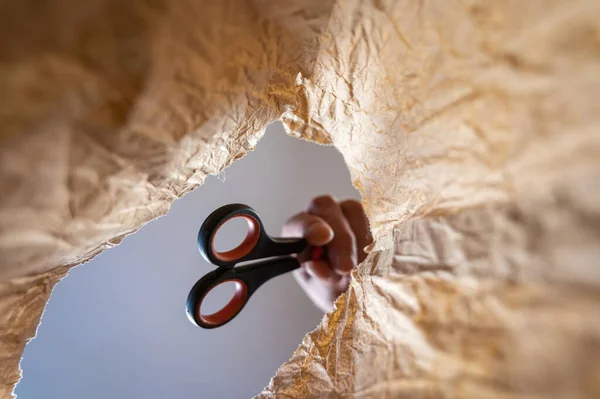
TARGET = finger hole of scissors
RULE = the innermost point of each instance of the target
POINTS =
(235, 304)
(247, 244)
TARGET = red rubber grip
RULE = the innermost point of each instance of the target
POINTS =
(317, 253)
(245, 247)
(228, 312)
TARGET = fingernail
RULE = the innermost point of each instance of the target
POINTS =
(318, 233)
(344, 265)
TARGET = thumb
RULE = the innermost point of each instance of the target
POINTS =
(313, 228)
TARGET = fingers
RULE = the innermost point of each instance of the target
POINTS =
(357, 219)
(320, 269)
(318, 233)
(313, 228)
(344, 229)
(322, 294)
(341, 250)
(343, 226)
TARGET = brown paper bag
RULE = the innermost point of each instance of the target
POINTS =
(470, 128)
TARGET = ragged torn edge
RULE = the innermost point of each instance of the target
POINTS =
(59, 272)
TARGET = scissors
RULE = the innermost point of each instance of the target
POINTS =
(257, 247)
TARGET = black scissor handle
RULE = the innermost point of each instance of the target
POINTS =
(256, 245)
(247, 279)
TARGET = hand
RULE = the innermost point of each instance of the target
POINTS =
(343, 229)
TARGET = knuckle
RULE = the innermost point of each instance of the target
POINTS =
(352, 206)
(297, 217)
(345, 240)
(290, 227)
(322, 202)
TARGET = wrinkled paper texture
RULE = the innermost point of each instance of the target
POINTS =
(471, 129)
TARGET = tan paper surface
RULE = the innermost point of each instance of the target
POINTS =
(471, 129)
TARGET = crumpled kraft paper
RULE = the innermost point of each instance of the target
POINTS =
(471, 129)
